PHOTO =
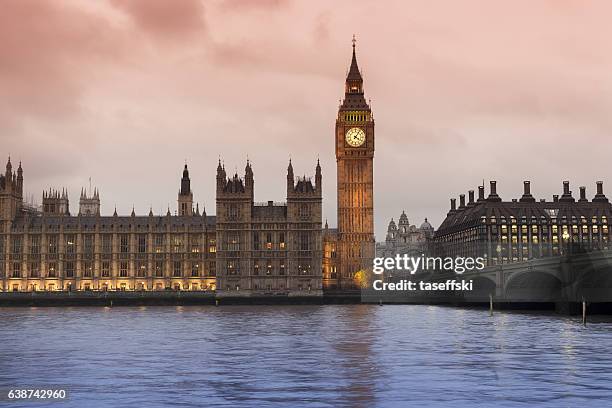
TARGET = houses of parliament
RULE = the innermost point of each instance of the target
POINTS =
(246, 249)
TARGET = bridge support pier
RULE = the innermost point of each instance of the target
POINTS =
(568, 308)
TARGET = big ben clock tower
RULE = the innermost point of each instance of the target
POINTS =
(355, 172)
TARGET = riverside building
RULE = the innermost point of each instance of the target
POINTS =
(524, 228)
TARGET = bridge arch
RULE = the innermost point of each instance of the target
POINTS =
(536, 285)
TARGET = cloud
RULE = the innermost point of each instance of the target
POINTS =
(46, 51)
(242, 5)
(165, 19)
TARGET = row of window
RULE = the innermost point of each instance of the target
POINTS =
(270, 241)
(159, 269)
(543, 220)
(266, 267)
(141, 243)
(270, 287)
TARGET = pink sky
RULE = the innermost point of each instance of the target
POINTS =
(124, 91)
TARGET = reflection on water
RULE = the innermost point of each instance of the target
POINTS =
(319, 356)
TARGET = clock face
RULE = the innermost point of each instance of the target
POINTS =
(355, 137)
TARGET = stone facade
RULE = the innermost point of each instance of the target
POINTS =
(268, 248)
(404, 238)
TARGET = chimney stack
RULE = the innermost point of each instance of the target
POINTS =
(583, 195)
(481, 196)
(493, 194)
(453, 205)
(555, 198)
(600, 197)
(470, 198)
(527, 197)
(461, 201)
(567, 194)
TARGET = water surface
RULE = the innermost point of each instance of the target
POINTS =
(316, 356)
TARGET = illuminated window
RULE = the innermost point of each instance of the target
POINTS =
(269, 240)
(281, 239)
(195, 243)
(52, 273)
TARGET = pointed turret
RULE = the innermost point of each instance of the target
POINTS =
(290, 177)
(221, 177)
(20, 180)
(248, 176)
(185, 182)
(9, 169)
(185, 195)
(318, 178)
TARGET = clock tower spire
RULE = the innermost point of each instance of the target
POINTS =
(354, 140)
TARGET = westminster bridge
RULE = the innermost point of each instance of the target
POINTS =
(578, 277)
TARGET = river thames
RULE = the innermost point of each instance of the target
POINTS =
(315, 356)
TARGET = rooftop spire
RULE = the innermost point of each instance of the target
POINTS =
(354, 74)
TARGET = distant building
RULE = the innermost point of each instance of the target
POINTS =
(404, 238)
(89, 204)
(522, 229)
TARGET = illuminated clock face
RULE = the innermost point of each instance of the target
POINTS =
(355, 137)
